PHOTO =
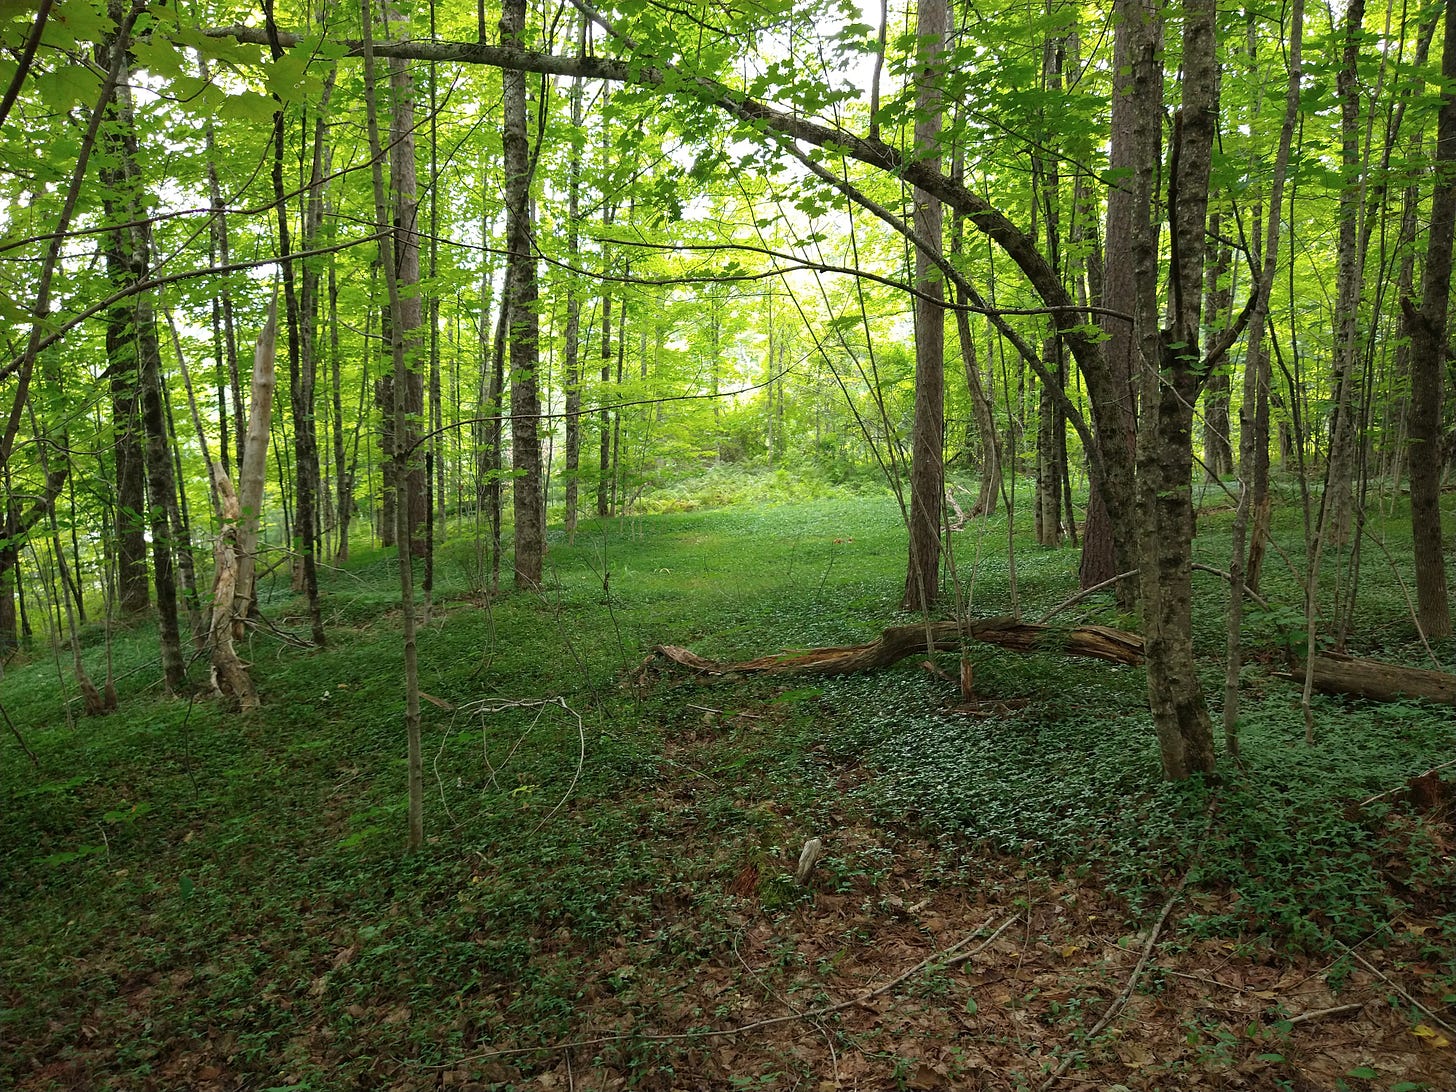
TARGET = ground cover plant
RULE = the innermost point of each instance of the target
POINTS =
(1007, 893)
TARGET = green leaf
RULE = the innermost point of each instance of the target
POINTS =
(248, 106)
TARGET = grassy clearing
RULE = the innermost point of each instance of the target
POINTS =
(193, 900)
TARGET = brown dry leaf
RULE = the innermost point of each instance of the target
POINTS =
(1134, 1055)
(927, 1078)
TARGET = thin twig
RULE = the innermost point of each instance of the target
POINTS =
(724, 712)
(1083, 594)
(1378, 973)
(1316, 1014)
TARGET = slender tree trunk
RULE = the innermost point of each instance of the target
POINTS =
(229, 674)
(343, 473)
(225, 339)
(303, 357)
(1254, 411)
(408, 391)
(927, 472)
(254, 473)
(133, 591)
(571, 364)
(179, 515)
(160, 490)
(1338, 501)
(526, 506)
(604, 417)
(1218, 455)
(495, 458)
(1134, 155)
(400, 329)
(1427, 328)
(1049, 470)
(134, 353)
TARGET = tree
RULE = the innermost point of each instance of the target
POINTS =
(1427, 327)
(527, 503)
(134, 350)
(927, 472)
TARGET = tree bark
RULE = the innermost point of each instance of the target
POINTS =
(571, 364)
(1136, 100)
(927, 470)
(1218, 454)
(1338, 500)
(405, 392)
(526, 498)
(1334, 674)
(400, 330)
(1427, 330)
(1171, 382)
(1252, 514)
(229, 674)
(135, 354)
(896, 643)
(254, 474)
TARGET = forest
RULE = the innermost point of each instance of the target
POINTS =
(756, 544)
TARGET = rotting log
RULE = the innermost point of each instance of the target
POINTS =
(896, 643)
(1337, 674)
(1333, 673)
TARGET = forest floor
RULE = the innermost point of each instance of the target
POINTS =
(1008, 896)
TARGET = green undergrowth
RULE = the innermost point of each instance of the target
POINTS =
(183, 879)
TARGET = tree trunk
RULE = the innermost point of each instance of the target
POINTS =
(303, 355)
(133, 591)
(255, 466)
(898, 642)
(1427, 331)
(179, 515)
(225, 341)
(343, 472)
(526, 506)
(571, 366)
(407, 392)
(1218, 454)
(927, 472)
(1049, 469)
(229, 673)
(1134, 156)
(135, 359)
(1338, 500)
(1252, 514)
(1170, 388)
(400, 330)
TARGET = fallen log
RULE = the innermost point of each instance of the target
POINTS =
(1338, 674)
(898, 642)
